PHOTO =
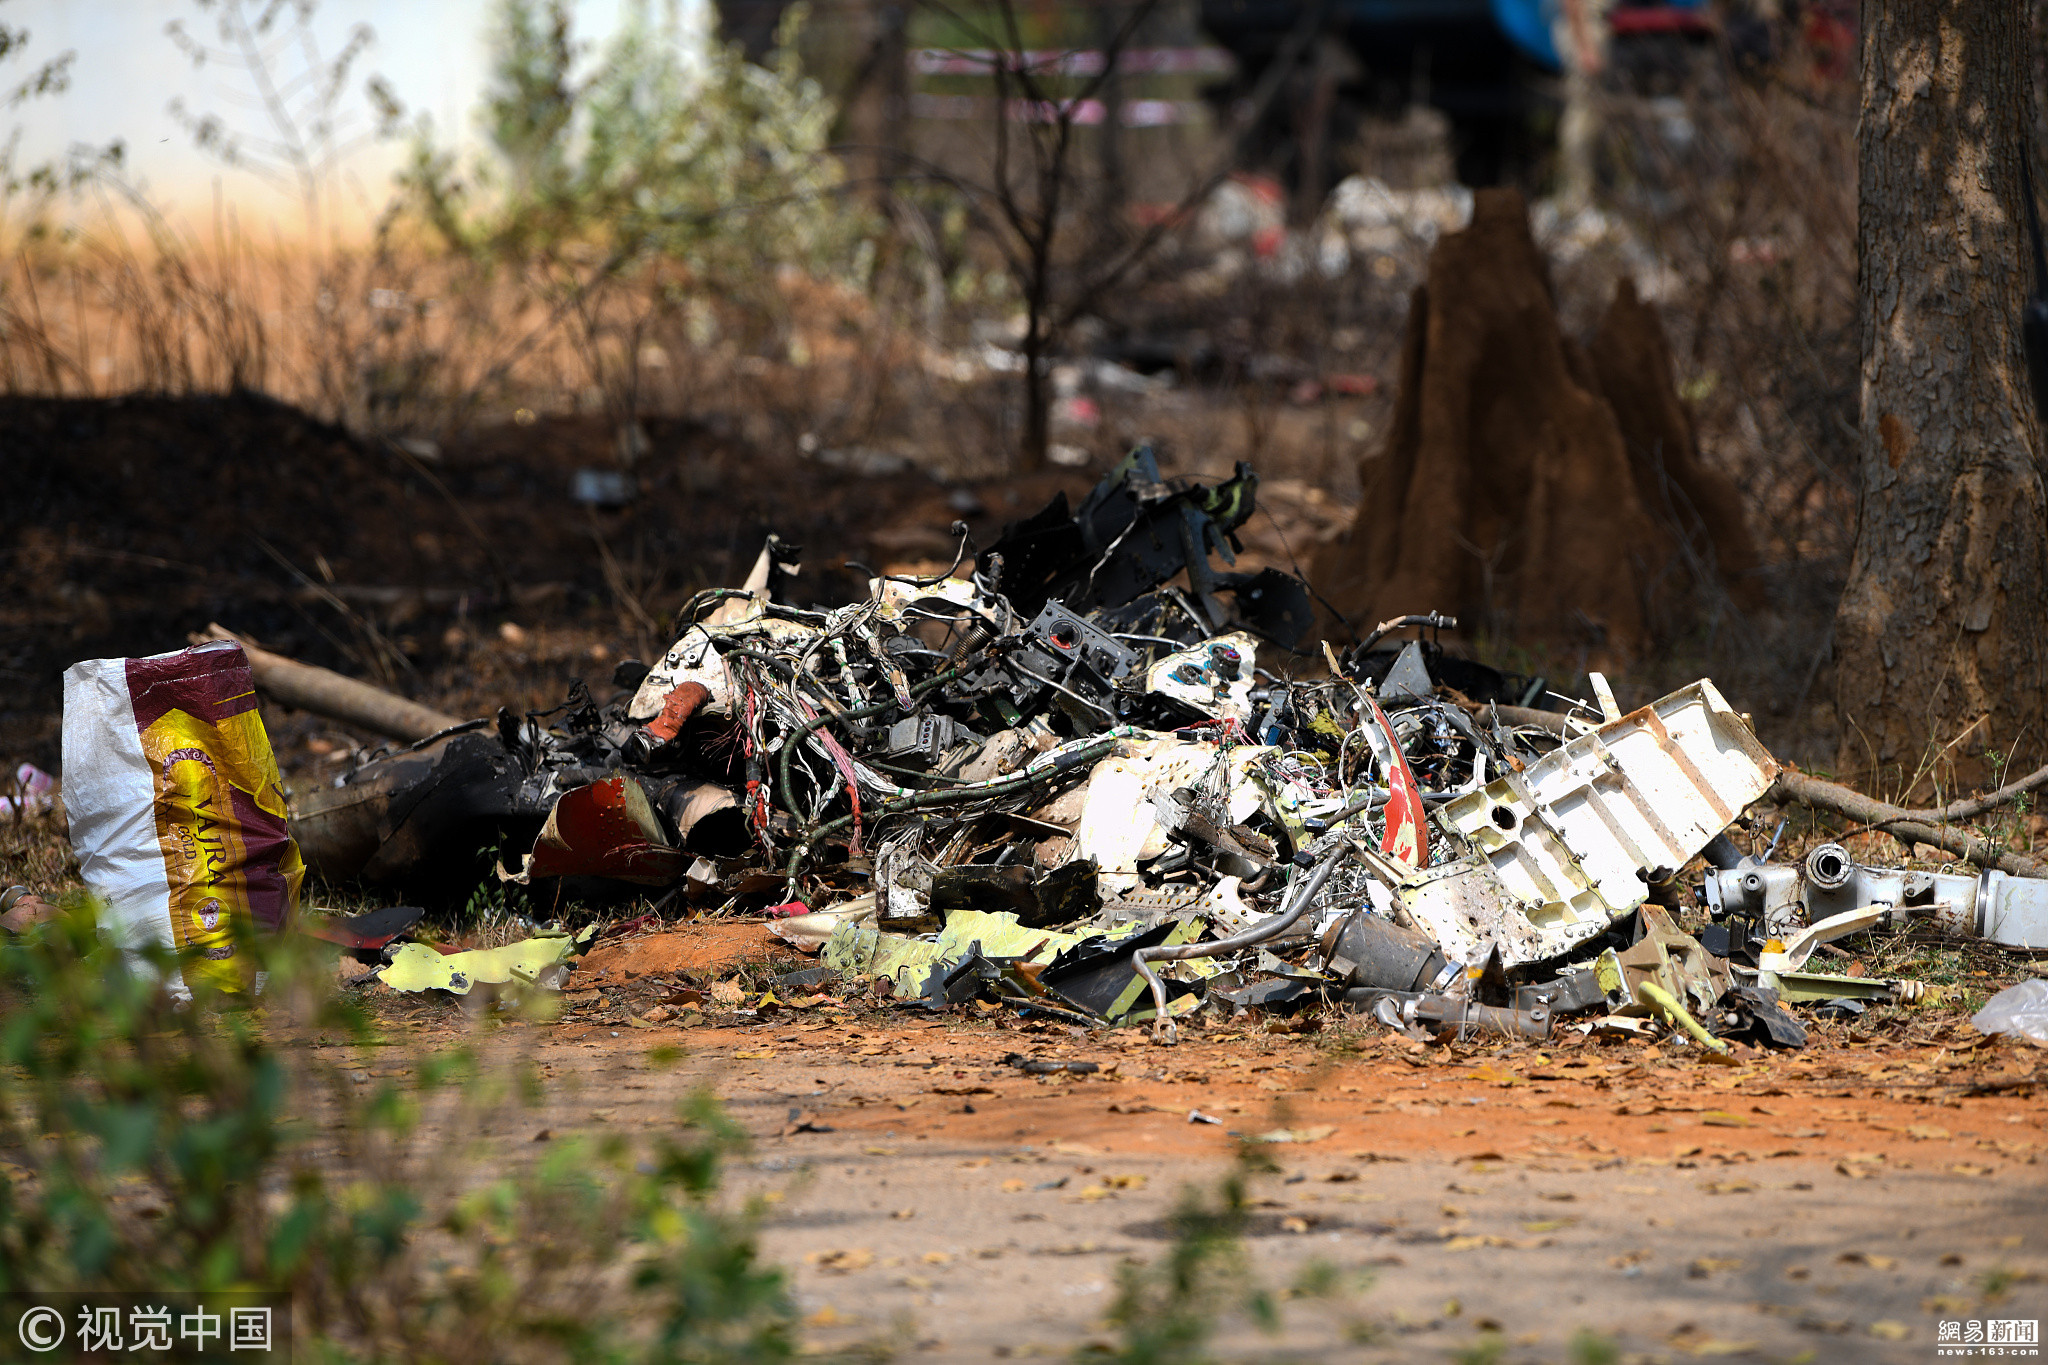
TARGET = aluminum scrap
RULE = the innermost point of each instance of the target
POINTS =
(1095, 751)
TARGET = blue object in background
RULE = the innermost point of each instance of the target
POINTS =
(1527, 25)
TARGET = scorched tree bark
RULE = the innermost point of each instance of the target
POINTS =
(1940, 634)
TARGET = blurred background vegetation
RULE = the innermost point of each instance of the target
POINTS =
(948, 243)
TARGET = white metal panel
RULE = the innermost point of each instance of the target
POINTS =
(1573, 840)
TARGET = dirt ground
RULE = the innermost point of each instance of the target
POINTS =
(933, 1198)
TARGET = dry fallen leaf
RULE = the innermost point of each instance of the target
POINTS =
(1696, 1345)
(1871, 1259)
(842, 1261)
(1475, 1241)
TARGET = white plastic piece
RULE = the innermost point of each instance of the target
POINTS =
(809, 932)
(1800, 946)
(1200, 677)
(1610, 709)
(111, 799)
(1569, 844)
(1119, 826)
(2020, 1010)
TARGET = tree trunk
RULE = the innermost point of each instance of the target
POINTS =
(1111, 186)
(1940, 648)
(1037, 435)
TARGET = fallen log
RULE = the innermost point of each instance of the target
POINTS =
(1919, 827)
(326, 693)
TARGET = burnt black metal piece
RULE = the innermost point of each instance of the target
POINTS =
(397, 814)
(1281, 995)
(1038, 1066)
(1131, 534)
(1097, 973)
(1766, 1019)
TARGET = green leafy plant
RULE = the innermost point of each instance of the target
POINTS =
(1166, 1310)
(716, 164)
(150, 1147)
(1487, 1349)
(1588, 1347)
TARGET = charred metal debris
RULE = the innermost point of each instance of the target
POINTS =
(1084, 780)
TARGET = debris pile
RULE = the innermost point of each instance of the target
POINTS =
(1092, 779)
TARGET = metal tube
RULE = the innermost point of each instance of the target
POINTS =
(1297, 905)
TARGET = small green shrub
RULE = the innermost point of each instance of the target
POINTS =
(207, 1148)
(1166, 1310)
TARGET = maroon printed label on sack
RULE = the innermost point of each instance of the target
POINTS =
(220, 812)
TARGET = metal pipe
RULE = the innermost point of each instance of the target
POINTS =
(1297, 906)
(1651, 993)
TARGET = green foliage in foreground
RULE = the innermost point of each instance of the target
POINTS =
(220, 1147)
(1166, 1311)
(147, 1147)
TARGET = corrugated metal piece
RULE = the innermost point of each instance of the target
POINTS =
(1569, 844)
